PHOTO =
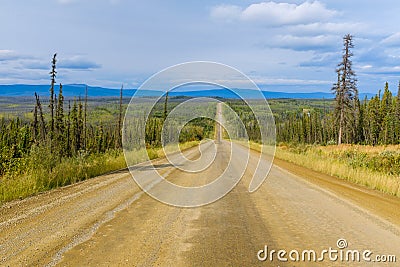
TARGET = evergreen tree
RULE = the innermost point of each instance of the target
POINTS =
(42, 122)
(165, 107)
(360, 139)
(119, 128)
(85, 119)
(374, 120)
(69, 149)
(53, 74)
(386, 117)
(75, 138)
(59, 123)
(35, 129)
(397, 117)
(79, 132)
(346, 92)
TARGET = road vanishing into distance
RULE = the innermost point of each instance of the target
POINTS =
(110, 221)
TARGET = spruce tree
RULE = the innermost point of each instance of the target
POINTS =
(59, 123)
(41, 116)
(85, 137)
(374, 120)
(345, 90)
(53, 74)
(397, 117)
(386, 117)
(165, 107)
(119, 128)
(35, 123)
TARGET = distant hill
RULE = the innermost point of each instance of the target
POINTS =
(225, 93)
(71, 90)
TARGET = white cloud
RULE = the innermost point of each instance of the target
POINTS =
(274, 14)
(226, 12)
(385, 71)
(328, 27)
(303, 43)
(10, 74)
(6, 55)
(288, 81)
(365, 67)
(318, 60)
(392, 40)
(77, 63)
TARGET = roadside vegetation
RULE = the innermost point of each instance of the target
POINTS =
(63, 141)
(376, 167)
(352, 139)
(309, 138)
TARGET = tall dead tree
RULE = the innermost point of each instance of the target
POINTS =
(346, 92)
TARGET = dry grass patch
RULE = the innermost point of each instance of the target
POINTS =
(376, 167)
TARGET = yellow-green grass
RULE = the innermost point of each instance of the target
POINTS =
(39, 177)
(338, 161)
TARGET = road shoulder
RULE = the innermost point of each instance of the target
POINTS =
(383, 205)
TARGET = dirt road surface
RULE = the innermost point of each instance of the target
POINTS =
(110, 221)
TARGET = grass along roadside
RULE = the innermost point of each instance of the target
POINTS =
(374, 167)
(42, 174)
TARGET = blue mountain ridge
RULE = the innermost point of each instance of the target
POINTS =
(78, 90)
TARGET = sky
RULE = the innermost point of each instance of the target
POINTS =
(289, 46)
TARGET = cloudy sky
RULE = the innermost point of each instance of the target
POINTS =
(282, 45)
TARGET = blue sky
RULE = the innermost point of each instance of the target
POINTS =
(287, 45)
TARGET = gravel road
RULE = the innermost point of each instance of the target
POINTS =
(109, 221)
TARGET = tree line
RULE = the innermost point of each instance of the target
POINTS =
(372, 122)
(375, 122)
(61, 130)
(68, 132)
